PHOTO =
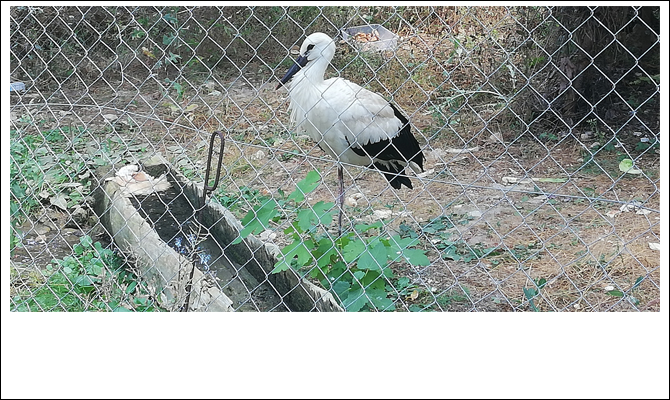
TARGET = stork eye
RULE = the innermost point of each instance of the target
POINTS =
(310, 47)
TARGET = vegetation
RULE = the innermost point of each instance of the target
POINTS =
(355, 267)
(91, 279)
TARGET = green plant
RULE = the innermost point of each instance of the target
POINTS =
(44, 167)
(532, 292)
(91, 279)
(356, 266)
(457, 250)
(426, 301)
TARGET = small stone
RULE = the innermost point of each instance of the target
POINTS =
(259, 155)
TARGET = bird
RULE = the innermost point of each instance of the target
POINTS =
(348, 122)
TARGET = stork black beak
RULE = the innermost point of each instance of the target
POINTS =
(299, 63)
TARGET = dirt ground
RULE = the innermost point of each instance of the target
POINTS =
(570, 236)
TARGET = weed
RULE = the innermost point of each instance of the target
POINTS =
(532, 292)
(456, 250)
(354, 266)
(91, 279)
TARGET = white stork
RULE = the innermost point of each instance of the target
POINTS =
(351, 124)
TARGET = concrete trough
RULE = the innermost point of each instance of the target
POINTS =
(149, 229)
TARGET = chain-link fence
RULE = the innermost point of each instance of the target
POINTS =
(539, 125)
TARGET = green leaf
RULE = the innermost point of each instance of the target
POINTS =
(341, 288)
(281, 266)
(258, 220)
(84, 283)
(86, 241)
(320, 214)
(402, 283)
(379, 298)
(131, 287)
(170, 18)
(615, 293)
(416, 257)
(371, 281)
(530, 294)
(374, 258)
(366, 227)
(626, 166)
(355, 300)
(305, 186)
(325, 252)
(95, 268)
(300, 249)
(353, 250)
(637, 282)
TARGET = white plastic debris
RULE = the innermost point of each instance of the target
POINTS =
(17, 86)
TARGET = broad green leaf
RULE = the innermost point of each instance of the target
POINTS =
(374, 258)
(530, 295)
(615, 293)
(306, 219)
(341, 288)
(529, 292)
(353, 250)
(309, 218)
(86, 241)
(402, 283)
(416, 257)
(371, 280)
(324, 212)
(299, 249)
(379, 299)
(281, 266)
(84, 283)
(305, 186)
(355, 300)
(626, 166)
(95, 268)
(258, 220)
(365, 227)
(325, 251)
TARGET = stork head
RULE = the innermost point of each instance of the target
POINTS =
(317, 48)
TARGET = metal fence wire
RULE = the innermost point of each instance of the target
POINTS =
(539, 126)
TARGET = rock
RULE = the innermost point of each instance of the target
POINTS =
(350, 202)
(259, 155)
(382, 214)
(80, 215)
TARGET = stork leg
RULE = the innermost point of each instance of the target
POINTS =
(340, 176)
